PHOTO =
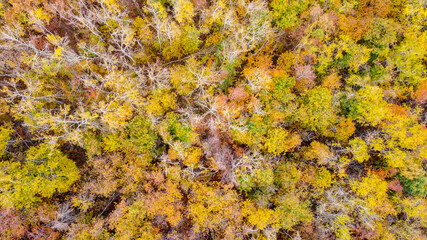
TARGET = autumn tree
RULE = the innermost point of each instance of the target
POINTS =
(43, 172)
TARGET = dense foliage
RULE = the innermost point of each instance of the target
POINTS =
(196, 119)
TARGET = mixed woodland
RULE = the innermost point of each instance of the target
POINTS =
(219, 119)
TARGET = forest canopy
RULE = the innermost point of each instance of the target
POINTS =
(196, 119)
